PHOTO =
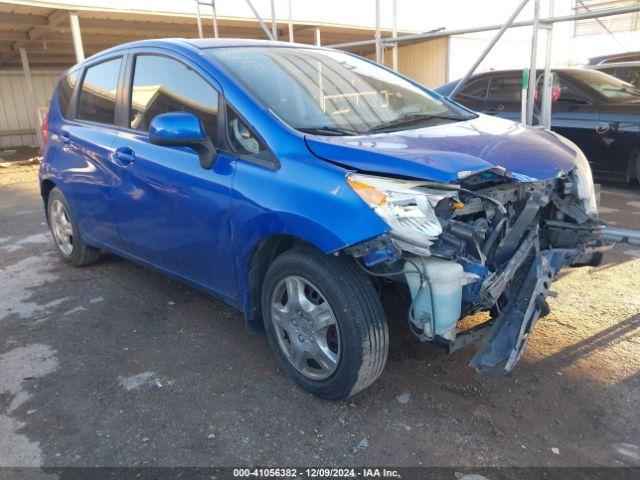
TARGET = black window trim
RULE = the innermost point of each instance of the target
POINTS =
(78, 91)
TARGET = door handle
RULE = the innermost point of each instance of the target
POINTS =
(124, 155)
(491, 111)
(65, 139)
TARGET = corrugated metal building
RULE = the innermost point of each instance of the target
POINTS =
(16, 126)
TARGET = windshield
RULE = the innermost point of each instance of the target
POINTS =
(609, 88)
(329, 92)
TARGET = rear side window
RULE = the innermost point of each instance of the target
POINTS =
(98, 94)
(506, 89)
(162, 85)
(629, 74)
(65, 91)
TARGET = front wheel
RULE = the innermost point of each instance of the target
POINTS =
(325, 323)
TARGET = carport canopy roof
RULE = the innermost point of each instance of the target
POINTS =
(44, 30)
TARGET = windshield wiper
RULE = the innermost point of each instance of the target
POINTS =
(327, 130)
(416, 118)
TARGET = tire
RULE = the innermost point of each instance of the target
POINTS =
(354, 353)
(65, 231)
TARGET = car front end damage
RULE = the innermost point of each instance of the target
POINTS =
(490, 242)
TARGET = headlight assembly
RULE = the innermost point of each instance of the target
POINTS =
(406, 206)
(584, 184)
(583, 179)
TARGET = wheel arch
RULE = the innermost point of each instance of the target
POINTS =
(263, 255)
(46, 186)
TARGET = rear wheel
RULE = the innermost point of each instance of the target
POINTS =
(65, 232)
(325, 323)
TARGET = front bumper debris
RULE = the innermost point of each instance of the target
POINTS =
(513, 238)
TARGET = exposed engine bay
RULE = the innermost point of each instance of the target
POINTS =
(488, 243)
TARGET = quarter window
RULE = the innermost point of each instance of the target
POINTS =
(162, 85)
(98, 94)
(65, 91)
(242, 138)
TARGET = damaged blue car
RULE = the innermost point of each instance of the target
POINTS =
(298, 183)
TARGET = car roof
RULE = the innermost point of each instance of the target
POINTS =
(603, 66)
(614, 57)
(199, 44)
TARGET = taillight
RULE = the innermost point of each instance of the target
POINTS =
(43, 128)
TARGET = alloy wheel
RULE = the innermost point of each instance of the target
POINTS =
(306, 327)
(61, 227)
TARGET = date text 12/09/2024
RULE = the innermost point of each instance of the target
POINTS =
(315, 473)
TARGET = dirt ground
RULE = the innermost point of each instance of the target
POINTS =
(114, 365)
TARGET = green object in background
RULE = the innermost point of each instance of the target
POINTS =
(525, 78)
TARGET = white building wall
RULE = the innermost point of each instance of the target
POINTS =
(14, 105)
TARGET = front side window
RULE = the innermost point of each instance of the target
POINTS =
(98, 93)
(476, 89)
(65, 91)
(506, 89)
(162, 85)
(330, 91)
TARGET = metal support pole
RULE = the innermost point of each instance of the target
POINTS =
(394, 34)
(199, 19)
(33, 114)
(214, 18)
(274, 24)
(318, 43)
(488, 28)
(76, 36)
(548, 76)
(486, 51)
(260, 21)
(290, 24)
(378, 36)
(532, 67)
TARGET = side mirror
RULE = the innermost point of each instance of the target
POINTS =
(182, 129)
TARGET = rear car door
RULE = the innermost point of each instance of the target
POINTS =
(84, 141)
(174, 214)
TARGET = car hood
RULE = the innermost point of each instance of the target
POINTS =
(448, 152)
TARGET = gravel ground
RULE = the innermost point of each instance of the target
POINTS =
(115, 365)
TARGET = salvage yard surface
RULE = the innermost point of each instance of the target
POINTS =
(114, 365)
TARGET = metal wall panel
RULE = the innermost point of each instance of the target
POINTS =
(14, 110)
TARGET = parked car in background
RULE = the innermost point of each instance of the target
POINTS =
(626, 71)
(625, 66)
(598, 112)
(298, 184)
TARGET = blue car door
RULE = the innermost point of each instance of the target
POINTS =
(173, 213)
(83, 145)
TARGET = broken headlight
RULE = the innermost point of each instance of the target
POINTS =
(406, 206)
(584, 184)
(582, 178)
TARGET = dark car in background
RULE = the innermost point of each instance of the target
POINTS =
(625, 66)
(596, 111)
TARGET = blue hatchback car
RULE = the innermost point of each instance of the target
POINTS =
(302, 185)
